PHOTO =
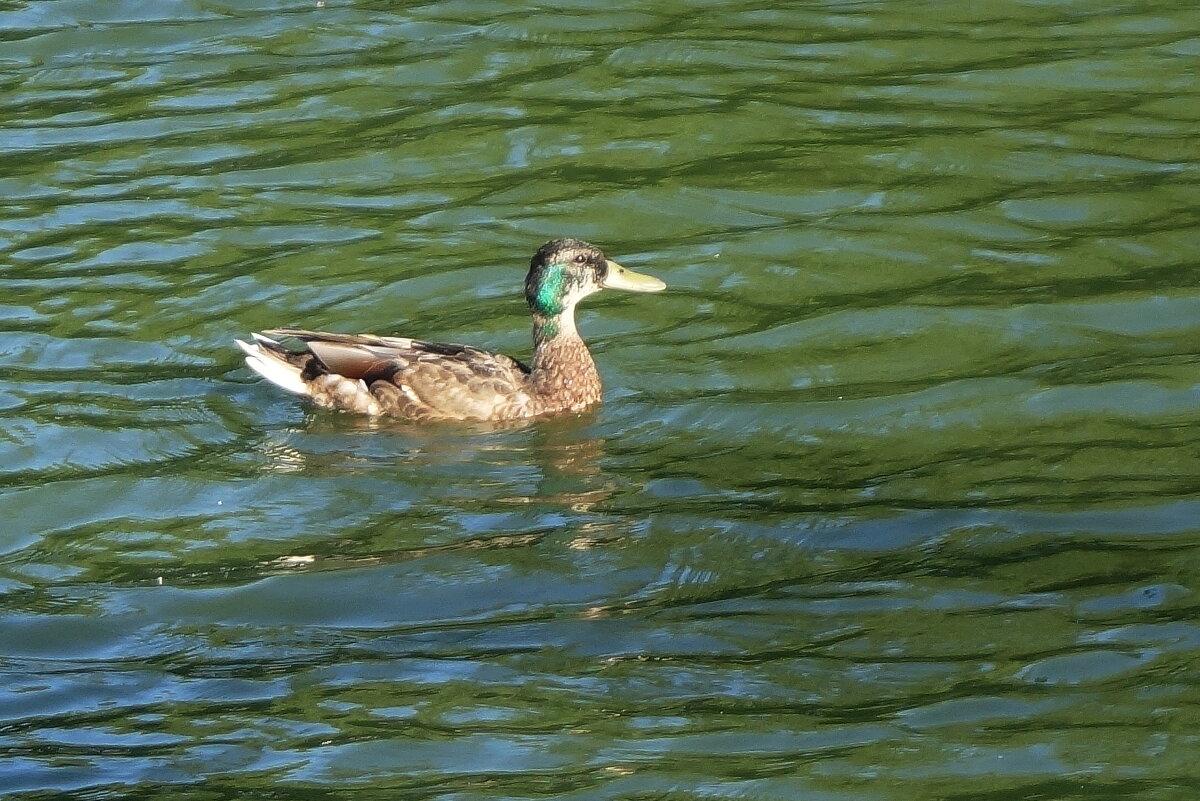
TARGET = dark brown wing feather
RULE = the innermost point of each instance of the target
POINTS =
(393, 347)
(412, 378)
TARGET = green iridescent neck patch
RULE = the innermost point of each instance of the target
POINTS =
(549, 298)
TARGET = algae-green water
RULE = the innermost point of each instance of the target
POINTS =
(893, 495)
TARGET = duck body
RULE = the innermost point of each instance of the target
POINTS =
(427, 381)
(416, 380)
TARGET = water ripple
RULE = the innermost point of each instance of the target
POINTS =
(892, 496)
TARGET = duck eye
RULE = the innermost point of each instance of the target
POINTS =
(580, 258)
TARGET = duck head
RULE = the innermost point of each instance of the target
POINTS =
(564, 271)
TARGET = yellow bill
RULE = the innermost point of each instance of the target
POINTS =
(620, 278)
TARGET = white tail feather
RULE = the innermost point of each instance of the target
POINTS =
(272, 368)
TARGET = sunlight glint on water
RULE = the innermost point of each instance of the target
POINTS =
(893, 494)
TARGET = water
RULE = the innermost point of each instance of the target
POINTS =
(894, 494)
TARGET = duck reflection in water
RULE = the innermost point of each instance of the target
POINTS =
(479, 486)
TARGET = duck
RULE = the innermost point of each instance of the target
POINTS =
(421, 381)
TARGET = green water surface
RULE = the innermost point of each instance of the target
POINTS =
(894, 496)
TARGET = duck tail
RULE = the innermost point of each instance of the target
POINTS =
(269, 359)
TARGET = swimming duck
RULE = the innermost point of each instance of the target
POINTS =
(427, 381)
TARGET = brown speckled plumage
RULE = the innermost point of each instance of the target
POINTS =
(425, 381)
(563, 377)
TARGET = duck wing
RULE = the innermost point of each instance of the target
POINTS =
(406, 378)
